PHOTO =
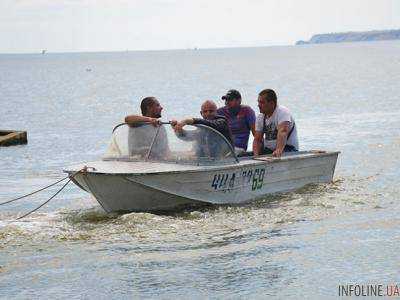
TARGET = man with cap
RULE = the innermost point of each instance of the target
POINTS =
(241, 118)
(276, 130)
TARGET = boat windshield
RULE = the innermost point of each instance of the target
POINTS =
(197, 144)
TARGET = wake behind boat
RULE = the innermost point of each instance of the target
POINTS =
(151, 168)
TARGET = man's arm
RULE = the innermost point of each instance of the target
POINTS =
(132, 119)
(215, 124)
(283, 131)
(253, 129)
(178, 127)
(251, 119)
(257, 142)
(180, 133)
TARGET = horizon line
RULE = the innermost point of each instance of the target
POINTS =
(39, 52)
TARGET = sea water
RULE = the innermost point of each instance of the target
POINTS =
(303, 244)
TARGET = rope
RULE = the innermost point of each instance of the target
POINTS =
(84, 169)
(47, 201)
(24, 196)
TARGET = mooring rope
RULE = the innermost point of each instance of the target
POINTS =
(44, 203)
(42, 189)
(83, 170)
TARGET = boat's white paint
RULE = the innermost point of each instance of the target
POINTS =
(145, 186)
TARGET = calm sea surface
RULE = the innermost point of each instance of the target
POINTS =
(295, 245)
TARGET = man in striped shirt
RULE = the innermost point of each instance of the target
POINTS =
(241, 118)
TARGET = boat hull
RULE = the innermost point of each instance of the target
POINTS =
(232, 184)
(115, 193)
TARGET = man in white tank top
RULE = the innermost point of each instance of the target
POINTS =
(276, 130)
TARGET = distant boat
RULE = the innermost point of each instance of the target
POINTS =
(43, 51)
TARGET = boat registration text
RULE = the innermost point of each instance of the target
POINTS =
(226, 181)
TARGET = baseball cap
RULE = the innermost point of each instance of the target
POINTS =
(231, 94)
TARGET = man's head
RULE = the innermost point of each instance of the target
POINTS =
(267, 101)
(208, 110)
(151, 107)
(233, 99)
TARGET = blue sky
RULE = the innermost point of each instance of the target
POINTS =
(115, 25)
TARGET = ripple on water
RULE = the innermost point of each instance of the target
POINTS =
(207, 227)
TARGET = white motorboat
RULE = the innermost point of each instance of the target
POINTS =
(151, 168)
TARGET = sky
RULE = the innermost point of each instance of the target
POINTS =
(28, 26)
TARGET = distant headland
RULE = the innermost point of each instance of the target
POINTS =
(361, 36)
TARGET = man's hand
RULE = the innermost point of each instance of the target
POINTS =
(179, 127)
(277, 153)
(173, 123)
(155, 122)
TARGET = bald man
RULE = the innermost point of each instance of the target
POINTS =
(210, 118)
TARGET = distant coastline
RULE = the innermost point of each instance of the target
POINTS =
(360, 36)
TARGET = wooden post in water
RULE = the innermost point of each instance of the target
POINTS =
(13, 137)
